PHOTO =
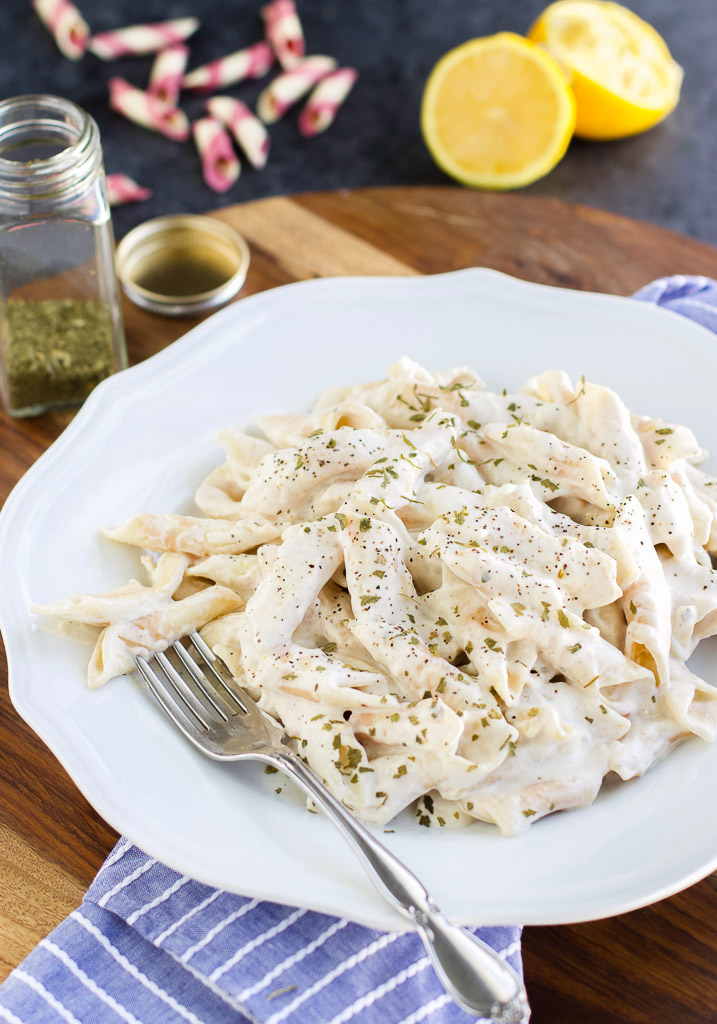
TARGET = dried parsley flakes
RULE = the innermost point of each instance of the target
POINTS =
(56, 350)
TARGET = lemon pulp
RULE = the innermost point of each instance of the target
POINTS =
(497, 112)
(623, 75)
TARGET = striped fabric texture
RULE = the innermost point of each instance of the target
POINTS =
(148, 946)
(693, 297)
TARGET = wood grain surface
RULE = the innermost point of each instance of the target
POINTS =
(651, 966)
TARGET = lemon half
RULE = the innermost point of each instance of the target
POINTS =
(622, 73)
(497, 112)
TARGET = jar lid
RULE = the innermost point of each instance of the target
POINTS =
(182, 264)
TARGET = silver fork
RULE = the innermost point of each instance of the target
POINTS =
(219, 718)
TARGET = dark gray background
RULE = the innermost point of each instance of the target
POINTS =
(666, 176)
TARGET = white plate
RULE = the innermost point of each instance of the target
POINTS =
(144, 440)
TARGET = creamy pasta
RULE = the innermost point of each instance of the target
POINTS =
(476, 603)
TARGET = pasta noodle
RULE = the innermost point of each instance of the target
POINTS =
(476, 603)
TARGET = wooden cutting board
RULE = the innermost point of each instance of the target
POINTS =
(653, 966)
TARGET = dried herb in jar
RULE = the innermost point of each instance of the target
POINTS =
(56, 350)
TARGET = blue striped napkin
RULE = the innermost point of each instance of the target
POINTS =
(149, 946)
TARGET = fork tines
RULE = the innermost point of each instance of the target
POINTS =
(196, 685)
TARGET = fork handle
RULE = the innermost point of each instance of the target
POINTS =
(479, 980)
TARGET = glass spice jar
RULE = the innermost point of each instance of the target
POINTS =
(60, 321)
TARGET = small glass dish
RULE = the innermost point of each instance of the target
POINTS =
(182, 264)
